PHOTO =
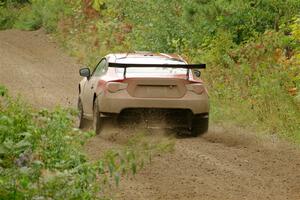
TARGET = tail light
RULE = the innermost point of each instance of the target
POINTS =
(198, 88)
(116, 86)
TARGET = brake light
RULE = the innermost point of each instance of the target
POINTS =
(198, 88)
(116, 86)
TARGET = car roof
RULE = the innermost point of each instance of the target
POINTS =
(145, 57)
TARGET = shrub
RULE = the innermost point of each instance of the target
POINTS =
(39, 153)
(258, 78)
(7, 18)
(32, 15)
(28, 20)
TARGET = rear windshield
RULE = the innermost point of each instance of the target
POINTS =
(153, 71)
(150, 71)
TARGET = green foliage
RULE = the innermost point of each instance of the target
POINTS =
(258, 82)
(7, 18)
(295, 26)
(50, 12)
(40, 154)
(33, 14)
(178, 26)
(28, 20)
(3, 91)
(98, 5)
(12, 2)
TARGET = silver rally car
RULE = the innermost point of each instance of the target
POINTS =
(162, 88)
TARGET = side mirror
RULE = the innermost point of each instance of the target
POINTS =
(197, 73)
(85, 72)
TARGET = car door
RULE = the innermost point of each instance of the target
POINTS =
(90, 87)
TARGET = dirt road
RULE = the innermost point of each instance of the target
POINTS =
(34, 67)
(227, 163)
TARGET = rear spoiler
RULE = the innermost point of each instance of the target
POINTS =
(184, 66)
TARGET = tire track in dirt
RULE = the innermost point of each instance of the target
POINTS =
(227, 163)
(223, 164)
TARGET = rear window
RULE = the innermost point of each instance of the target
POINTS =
(151, 71)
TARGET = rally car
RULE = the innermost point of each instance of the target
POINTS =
(160, 85)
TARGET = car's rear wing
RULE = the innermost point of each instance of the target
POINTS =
(184, 66)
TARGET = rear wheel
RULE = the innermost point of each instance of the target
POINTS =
(199, 125)
(97, 120)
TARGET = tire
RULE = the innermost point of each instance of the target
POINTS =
(97, 120)
(199, 125)
(81, 122)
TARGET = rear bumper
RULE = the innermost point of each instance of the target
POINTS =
(116, 102)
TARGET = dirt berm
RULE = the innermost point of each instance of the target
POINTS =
(227, 163)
